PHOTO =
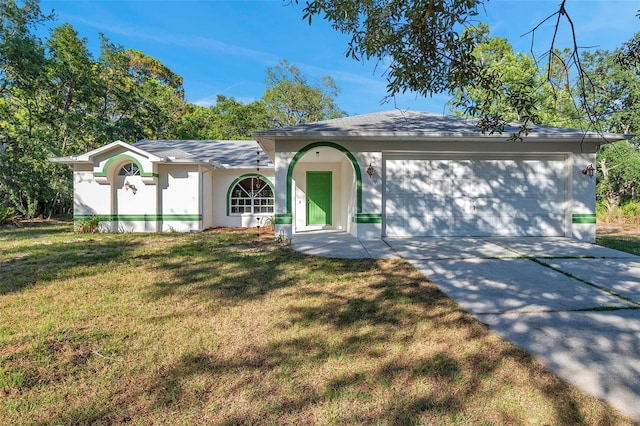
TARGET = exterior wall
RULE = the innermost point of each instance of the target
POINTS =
(290, 169)
(134, 207)
(219, 203)
(581, 212)
(370, 226)
(89, 197)
(179, 198)
(366, 222)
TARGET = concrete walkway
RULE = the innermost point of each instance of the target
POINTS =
(574, 305)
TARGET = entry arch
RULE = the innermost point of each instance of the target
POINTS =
(305, 150)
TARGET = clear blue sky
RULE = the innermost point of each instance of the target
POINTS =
(224, 47)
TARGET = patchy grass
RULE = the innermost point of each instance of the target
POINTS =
(219, 328)
(624, 237)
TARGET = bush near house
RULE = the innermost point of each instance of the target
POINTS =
(627, 213)
(7, 215)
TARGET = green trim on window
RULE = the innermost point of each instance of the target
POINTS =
(248, 175)
(368, 218)
(119, 157)
(283, 219)
(583, 218)
(141, 217)
(342, 149)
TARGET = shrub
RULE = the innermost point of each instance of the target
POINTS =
(7, 215)
(630, 208)
(88, 226)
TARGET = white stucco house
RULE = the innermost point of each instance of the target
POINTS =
(173, 185)
(395, 173)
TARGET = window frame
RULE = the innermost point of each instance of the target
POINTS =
(255, 203)
(133, 170)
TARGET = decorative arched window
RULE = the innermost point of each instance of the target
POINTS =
(251, 195)
(129, 169)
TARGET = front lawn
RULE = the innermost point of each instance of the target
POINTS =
(221, 328)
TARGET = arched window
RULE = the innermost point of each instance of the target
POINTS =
(129, 169)
(251, 195)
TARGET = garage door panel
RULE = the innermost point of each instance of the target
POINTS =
(479, 197)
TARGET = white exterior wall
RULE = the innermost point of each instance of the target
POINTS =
(284, 227)
(579, 189)
(581, 217)
(179, 201)
(89, 197)
(372, 198)
(222, 181)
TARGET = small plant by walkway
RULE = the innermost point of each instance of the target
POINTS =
(222, 328)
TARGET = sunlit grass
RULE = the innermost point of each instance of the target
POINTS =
(624, 237)
(218, 328)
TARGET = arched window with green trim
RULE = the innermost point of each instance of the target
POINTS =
(251, 195)
(129, 169)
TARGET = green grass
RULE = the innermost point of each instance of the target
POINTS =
(219, 328)
(628, 243)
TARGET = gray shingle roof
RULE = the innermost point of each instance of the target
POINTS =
(225, 154)
(414, 124)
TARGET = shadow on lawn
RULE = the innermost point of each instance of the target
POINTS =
(45, 258)
(290, 378)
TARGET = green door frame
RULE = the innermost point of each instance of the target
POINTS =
(319, 194)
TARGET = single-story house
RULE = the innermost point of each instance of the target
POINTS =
(395, 173)
(173, 185)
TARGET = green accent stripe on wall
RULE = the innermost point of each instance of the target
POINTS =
(368, 218)
(283, 219)
(141, 217)
(584, 218)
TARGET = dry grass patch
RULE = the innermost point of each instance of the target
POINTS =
(220, 328)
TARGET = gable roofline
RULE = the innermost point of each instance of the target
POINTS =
(87, 157)
(215, 154)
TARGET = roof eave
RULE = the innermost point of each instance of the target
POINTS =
(268, 138)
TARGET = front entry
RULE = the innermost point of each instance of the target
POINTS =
(318, 198)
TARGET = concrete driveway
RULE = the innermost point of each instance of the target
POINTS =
(574, 305)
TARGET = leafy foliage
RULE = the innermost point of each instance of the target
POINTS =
(227, 119)
(291, 100)
(505, 89)
(87, 226)
(618, 173)
(57, 100)
(7, 215)
(423, 40)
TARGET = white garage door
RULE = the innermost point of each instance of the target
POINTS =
(478, 196)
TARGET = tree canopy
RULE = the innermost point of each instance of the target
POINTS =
(290, 99)
(57, 99)
(432, 47)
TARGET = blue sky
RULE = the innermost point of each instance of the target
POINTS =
(224, 47)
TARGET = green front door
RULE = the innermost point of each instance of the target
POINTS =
(318, 198)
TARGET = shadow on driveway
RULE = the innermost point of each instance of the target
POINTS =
(575, 305)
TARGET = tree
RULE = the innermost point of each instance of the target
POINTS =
(227, 119)
(510, 92)
(422, 39)
(290, 100)
(22, 72)
(618, 173)
(614, 93)
(56, 100)
(141, 98)
(430, 50)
